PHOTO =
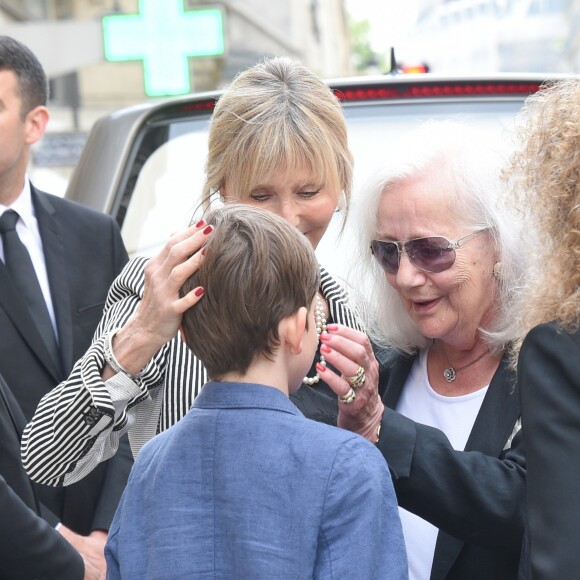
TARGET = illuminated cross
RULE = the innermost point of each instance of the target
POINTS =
(163, 35)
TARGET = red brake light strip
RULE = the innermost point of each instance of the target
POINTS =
(423, 90)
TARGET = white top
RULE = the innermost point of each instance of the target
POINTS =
(29, 234)
(454, 416)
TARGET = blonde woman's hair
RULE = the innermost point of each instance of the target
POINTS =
(545, 173)
(276, 115)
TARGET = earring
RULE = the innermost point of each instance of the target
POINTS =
(497, 271)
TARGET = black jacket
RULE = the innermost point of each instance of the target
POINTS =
(29, 546)
(549, 387)
(84, 252)
(475, 497)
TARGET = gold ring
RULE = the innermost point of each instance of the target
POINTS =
(349, 397)
(357, 380)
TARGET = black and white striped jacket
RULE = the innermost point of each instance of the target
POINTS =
(78, 424)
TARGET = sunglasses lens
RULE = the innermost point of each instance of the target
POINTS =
(431, 254)
(387, 255)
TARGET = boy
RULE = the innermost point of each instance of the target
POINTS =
(245, 486)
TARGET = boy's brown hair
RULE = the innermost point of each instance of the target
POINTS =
(258, 269)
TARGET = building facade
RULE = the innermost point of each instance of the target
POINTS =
(479, 36)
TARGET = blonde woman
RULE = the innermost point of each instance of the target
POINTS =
(547, 172)
(278, 141)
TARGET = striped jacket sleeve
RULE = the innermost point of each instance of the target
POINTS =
(338, 301)
(78, 424)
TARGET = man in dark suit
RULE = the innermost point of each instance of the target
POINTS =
(47, 322)
(29, 546)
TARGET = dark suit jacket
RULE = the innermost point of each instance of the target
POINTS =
(83, 252)
(475, 497)
(29, 546)
(549, 388)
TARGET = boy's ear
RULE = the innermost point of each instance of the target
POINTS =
(291, 330)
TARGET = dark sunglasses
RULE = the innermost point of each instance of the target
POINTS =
(433, 254)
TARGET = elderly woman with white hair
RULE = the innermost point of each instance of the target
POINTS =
(446, 258)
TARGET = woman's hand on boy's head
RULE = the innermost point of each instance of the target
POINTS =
(160, 311)
(158, 315)
(346, 350)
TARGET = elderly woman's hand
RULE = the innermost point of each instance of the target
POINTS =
(158, 316)
(349, 350)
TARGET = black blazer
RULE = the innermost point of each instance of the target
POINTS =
(549, 387)
(475, 497)
(84, 252)
(29, 546)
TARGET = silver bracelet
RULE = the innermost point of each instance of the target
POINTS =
(113, 362)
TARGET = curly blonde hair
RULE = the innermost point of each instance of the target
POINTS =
(546, 175)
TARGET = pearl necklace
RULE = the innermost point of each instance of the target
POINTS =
(320, 321)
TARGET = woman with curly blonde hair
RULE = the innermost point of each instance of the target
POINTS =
(547, 175)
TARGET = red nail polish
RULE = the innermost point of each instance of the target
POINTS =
(325, 349)
(324, 338)
(203, 250)
(208, 230)
(332, 327)
(320, 368)
(200, 223)
(199, 291)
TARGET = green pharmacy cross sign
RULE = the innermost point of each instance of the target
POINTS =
(163, 35)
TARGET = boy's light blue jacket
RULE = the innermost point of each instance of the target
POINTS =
(246, 487)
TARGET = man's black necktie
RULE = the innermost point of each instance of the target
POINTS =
(19, 266)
